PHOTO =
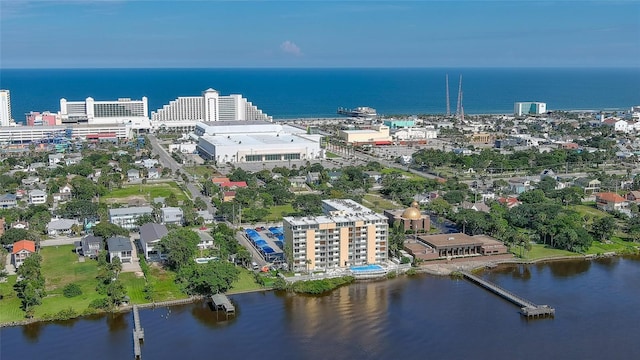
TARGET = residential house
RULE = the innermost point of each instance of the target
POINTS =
(37, 197)
(510, 202)
(228, 196)
(91, 246)
(60, 226)
(206, 216)
(547, 173)
(8, 201)
(150, 235)
(477, 206)
(519, 185)
(633, 196)
(149, 163)
(153, 173)
(133, 174)
(21, 250)
(72, 159)
(30, 181)
(172, 215)
(375, 176)
(298, 181)
(589, 186)
(313, 178)
(127, 217)
(228, 184)
(610, 201)
(33, 167)
(20, 225)
(121, 247)
(64, 194)
(55, 159)
(334, 175)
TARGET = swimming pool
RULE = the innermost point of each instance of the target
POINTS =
(366, 268)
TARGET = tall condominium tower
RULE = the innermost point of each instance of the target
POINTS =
(5, 108)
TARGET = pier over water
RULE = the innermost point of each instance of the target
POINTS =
(138, 333)
(527, 308)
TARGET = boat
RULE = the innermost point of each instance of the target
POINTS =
(359, 112)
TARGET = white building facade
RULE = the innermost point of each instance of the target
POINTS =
(122, 111)
(5, 108)
(348, 234)
(529, 108)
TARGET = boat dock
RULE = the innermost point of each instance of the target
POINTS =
(221, 302)
(138, 333)
(528, 308)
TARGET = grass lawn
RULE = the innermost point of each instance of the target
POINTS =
(409, 175)
(153, 190)
(134, 286)
(616, 245)
(331, 155)
(539, 251)
(164, 285)
(589, 210)
(10, 304)
(245, 282)
(275, 212)
(60, 267)
(379, 204)
(203, 171)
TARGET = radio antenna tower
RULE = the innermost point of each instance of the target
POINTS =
(459, 108)
(447, 86)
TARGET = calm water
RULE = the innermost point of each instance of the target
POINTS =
(290, 93)
(406, 318)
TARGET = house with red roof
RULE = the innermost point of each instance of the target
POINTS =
(21, 250)
(610, 201)
(225, 183)
(509, 202)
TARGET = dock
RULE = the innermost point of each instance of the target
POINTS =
(138, 333)
(221, 302)
(527, 308)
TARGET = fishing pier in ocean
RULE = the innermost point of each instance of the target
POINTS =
(527, 308)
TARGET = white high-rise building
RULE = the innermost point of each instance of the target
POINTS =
(209, 107)
(529, 108)
(5, 108)
(92, 112)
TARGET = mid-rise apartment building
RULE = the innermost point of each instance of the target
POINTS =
(347, 234)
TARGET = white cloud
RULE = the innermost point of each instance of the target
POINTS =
(290, 47)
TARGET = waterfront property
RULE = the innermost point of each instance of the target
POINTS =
(348, 234)
(150, 235)
(21, 251)
(120, 246)
(448, 246)
(91, 245)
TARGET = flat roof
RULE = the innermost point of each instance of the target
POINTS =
(130, 210)
(456, 239)
(257, 140)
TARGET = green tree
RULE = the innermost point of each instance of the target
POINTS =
(206, 279)
(107, 230)
(180, 246)
(308, 204)
(603, 228)
(12, 235)
(116, 293)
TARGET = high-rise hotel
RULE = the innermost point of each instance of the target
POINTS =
(5, 108)
(347, 234)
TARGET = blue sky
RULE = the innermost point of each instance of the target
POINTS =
(120, 33)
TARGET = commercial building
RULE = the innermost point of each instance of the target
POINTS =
(45, 118)
(377, 135)
(209, 107)
(529, 108)
(122, 111)
(461, 245)
(127, 217)
(5, 108)
(347, 234)
(255, 141)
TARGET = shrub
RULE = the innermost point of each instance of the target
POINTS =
(101, 303)
(316, 287)
(280, 284)
(411, 272)
(71, 290)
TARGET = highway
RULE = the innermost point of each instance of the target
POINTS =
(167, 161)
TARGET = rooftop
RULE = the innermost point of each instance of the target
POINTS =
(119, 243)
(24, 245)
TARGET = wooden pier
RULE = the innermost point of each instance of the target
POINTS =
(527, 308)
(221, 302)
(138, 333)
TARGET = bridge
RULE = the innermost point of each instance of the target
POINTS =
(527, 308)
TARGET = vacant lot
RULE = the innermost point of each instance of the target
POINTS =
(145, 192)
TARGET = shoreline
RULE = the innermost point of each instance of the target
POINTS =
(445, 269)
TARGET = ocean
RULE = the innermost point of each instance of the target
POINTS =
(310, 93)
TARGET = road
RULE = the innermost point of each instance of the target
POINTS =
(167, 161)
